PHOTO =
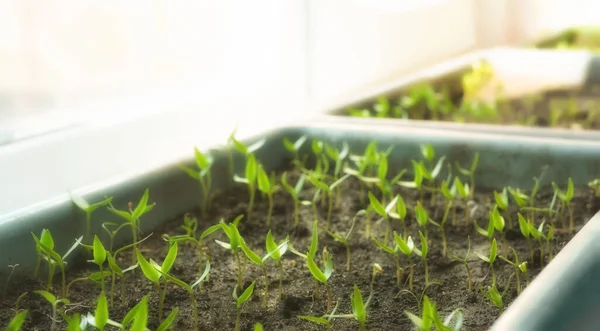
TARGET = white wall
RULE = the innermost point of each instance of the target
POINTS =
(354, 44)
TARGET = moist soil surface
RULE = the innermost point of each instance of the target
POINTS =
(579, 110)
(216, 306)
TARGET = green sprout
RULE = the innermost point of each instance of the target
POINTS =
(321, 275)
(495, 296)
(323, 320)
(423, 255)
(407, 248)
(502, 203)
(294, 192)
(294, 147)
(400, 213)
(385, 185)
(525, 226)
(17, 321)
(190, 236)
(12, 271)
(318, 148)
(54, 301)
(338, 156)
(240, 300)
(470, 172)
(565, 198)
(132, 217)
(464, 193)
(106, 226)
(430, 318)
(465, 262)
(328, 189)
(268, 186)
(234, 245)
(538, 234)
(344, 239)
(449, 195)
(250, 180)
(420, 173)
(88, 209)
(189, 289)
(491, 259)
(204, 163)
(519, 268)
(276, 252)
(138, 315)
(595, 186)
(383, 212)
(422, 216)
(151, 271)
(99, 259)
(254, 258)
(45, 250)
(432, 170)
(359, 308)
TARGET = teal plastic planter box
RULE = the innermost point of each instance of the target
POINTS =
(564, 296)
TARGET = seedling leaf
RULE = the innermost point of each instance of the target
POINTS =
(167, 322)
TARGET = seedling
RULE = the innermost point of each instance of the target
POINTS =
(45, 250)
(152, 273)
(337, 156)
(400, 213)
(595, 185)
(239, 301)
(344, 239)
(465, 262)
(276, 252)
(17, 321)
(383, 212)
(54, 301)
(385, 185)
(464, 193)
(519, 268)
(12, 270)
(268, 186)
(99, 259)
(420, 173)
(491, 259)
(495, 296)
(501, 199)
(204, 162)
(321, 275)
(138, 315)
(449, 195)
(422, 216)
(359, 308)
(430, 318)
(190, 236)
(565, 198)
(249, 180)
(323, 320)
(234, 245)
(132, 217)
(423, 255)
(318, 148)
(295, 193)
(254, 258)
(407, 248)
(432, 171)
(328, 189)
(189, 289)
(470, 172)
(88, 209)
(294, 147)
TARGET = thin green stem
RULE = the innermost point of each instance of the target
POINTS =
(161, 292)
(112, 288)
(347, 256)
(195, 311)
(329, 208)
(251, 203)
(240, 275)
(270, 196)
(426, 273)
(280, 280)
(296, 213)
(266, 287)
(237, 319)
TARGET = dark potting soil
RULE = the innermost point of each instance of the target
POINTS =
(215, 302)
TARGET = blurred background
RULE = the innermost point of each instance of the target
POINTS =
(76, 63)
(60, 56)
